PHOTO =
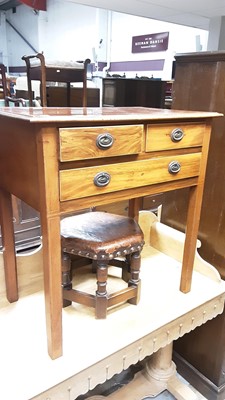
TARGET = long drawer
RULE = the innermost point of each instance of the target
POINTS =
(171, 136)
(90, 181)
(102, 141)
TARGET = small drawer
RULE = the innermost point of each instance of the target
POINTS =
(96, 142)
(91, 181)
(170, 136)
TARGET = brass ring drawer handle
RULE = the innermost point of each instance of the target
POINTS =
(177, 135)
(104, 141)
(174, 167)
(102, 179)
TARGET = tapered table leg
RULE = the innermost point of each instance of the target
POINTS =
(9, 255)
(50, 225)
(52, 284)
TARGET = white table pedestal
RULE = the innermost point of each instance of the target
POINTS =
(159, 374)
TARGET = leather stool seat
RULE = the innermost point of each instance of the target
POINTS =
(106, 239)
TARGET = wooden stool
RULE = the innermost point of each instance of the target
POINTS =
(38, 69)
(106, 239)
(3, 83)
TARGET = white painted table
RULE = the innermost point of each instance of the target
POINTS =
(94, 350)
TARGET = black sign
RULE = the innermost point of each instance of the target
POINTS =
(151, 42)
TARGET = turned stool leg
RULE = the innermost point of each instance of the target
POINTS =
(135, 263)
(101, 293)
(66, 276)
(94, 266)
(126, 268)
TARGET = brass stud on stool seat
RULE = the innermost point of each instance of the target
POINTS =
(106, 239)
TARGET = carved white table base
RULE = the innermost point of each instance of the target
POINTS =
(159, 374)
(95, 350)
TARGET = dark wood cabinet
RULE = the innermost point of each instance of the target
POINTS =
(57, 96)
(127, 92)
(27, 227)
(200, 85)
